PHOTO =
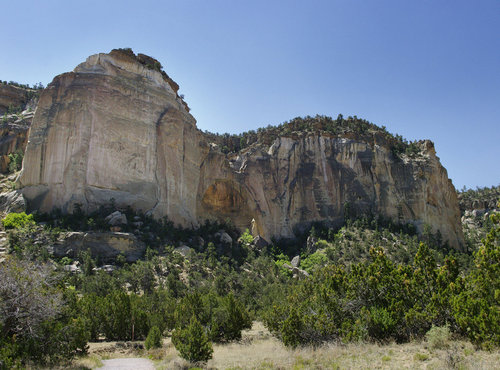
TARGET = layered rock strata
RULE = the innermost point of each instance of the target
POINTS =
(14, 97)
(115, 128)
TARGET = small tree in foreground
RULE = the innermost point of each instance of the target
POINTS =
(154, 338)
(192, 342)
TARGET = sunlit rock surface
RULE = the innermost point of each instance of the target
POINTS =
(115, 128)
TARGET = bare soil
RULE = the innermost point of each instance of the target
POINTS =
(128, 363)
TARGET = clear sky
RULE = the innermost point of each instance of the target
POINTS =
(426, 69)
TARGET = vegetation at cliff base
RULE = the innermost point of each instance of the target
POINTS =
(370, 280)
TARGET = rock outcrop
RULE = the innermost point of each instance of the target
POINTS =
(16, 98)
(17, 105)
(115, 128)
(105, 245)
(14, 129)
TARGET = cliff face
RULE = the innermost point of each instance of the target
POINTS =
(113, 128)
(298, 180)
(116, 128)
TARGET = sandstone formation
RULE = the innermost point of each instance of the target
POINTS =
(14, 97)
(105, 245)
(115, 128)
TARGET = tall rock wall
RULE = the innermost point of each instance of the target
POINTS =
(115, 128)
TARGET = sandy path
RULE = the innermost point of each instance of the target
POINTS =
(127, 363)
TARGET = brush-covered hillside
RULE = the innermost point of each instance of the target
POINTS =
(118, 275)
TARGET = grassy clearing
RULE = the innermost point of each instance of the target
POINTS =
(259, 350)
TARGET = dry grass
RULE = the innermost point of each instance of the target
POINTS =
(258, 350)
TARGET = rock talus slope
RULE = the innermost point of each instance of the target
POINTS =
(115, 128)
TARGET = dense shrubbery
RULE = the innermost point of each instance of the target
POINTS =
(396, 291)
(477, 307)
(192, 342)
(223, 317)
(154, 338)
(15, 161)
(480, 198)
(382, 300)
(36, 323)
(377, 300)
(17, 220)
(318, 124)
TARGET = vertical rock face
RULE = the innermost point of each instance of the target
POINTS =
(115, 128)
(315, 177)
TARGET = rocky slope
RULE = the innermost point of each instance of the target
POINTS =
(115, 128)
(476, 206)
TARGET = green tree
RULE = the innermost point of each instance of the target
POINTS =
(34, 323)
(116, 318)
(291, 330)
(153, 339)
(192, 342)
(477, 308)
(229, 319)
(246, 239)
(15, 161)
(17, 220)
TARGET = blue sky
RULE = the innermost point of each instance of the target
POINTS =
(426, 69)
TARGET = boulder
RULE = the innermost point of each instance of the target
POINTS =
(183, 250)
(116, 218)
(72, 268)
(295, 261)
(223, 237)
(105, 245)
(106, 268)
(259, 243)
(478, 212)
(12, 201)
(311, 244)
(298, 273)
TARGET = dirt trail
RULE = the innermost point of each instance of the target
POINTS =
(127, 363)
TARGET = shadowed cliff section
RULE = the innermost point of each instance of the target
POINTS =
(116, 128)
(17, 103)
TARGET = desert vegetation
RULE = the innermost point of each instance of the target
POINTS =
(370, 281)
(304, 126)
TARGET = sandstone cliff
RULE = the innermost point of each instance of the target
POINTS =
(116, 128)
